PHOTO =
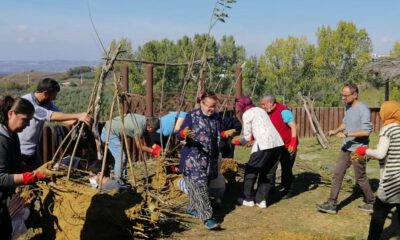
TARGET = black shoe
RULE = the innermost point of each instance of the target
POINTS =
(287, 195)
(327, 207)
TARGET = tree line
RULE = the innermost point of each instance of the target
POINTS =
(288, 65)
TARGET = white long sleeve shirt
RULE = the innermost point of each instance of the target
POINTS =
(388, 150)
(256, 123)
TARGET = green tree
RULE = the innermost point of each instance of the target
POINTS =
(395, 52)
(341, 53)
(283, 65)
(253, 82)
(227, 56)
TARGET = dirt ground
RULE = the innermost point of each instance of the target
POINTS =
(297, 218)
(75, 211)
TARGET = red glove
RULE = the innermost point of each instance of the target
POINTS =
(236, 140)
(361, 151)
(186, 132)
(228, 133)
(31, 178)
(173, 169)
(292, 148)
(156, 149)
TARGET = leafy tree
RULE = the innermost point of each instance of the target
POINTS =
(341, 53)
(227, 56)
(395, 52)
(253, 82)
(283, 64)
(78, 70)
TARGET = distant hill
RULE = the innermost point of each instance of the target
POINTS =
(52, 66)
(32, 77)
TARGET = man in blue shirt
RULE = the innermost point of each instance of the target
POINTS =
(354, 131)
(45, 110)
(170, 123)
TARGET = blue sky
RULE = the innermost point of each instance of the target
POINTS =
(61, 29)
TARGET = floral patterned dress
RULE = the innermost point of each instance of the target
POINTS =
(199, 156)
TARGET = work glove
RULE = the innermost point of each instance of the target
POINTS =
(31, 178)
(236, 140)
(250, 143)
(186, 133)
(361, 151)
(228, 133)
(45, 173)
(156, 150)
(292, 148)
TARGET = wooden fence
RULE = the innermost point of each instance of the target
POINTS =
(329, 118)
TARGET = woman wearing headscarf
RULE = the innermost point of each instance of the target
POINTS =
(388, 151)
(264, 156)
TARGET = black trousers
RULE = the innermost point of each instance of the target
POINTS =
(381, 211)
(261, 164)
(287, 161)
(5, 223)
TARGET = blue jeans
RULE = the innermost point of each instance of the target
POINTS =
(114, 146)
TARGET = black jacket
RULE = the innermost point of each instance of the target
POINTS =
(10, 155)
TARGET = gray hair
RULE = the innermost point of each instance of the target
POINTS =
(153, 122)
(269, 98)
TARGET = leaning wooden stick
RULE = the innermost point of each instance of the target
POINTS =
(107, 140)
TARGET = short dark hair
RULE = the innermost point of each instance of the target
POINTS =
(153, 122)
(207, 94)
(96, 168)
(48, 84)
(352, 86)
(18, 105)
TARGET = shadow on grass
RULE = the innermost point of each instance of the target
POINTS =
(306, 181)
(233, 191)
(357, 193)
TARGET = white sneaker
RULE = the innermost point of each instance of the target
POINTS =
(262, 204)
(245, 203)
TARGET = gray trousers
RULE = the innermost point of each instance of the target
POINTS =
(342, 164)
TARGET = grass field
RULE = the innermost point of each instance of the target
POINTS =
(297, 217)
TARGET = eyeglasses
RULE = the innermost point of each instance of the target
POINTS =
(208, 106)
(347, 95)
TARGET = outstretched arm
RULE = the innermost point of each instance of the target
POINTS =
(70, 118)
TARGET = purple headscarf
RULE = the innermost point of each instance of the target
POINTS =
(243, 103)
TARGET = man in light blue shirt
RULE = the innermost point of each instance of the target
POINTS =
(170, 123)
(45, 110)
(354, 131)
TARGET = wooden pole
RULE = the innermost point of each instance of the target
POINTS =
(125, 84)
(387, 90)
(239, 80)
(149, 90)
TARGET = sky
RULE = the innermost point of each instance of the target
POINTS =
(62, 29)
